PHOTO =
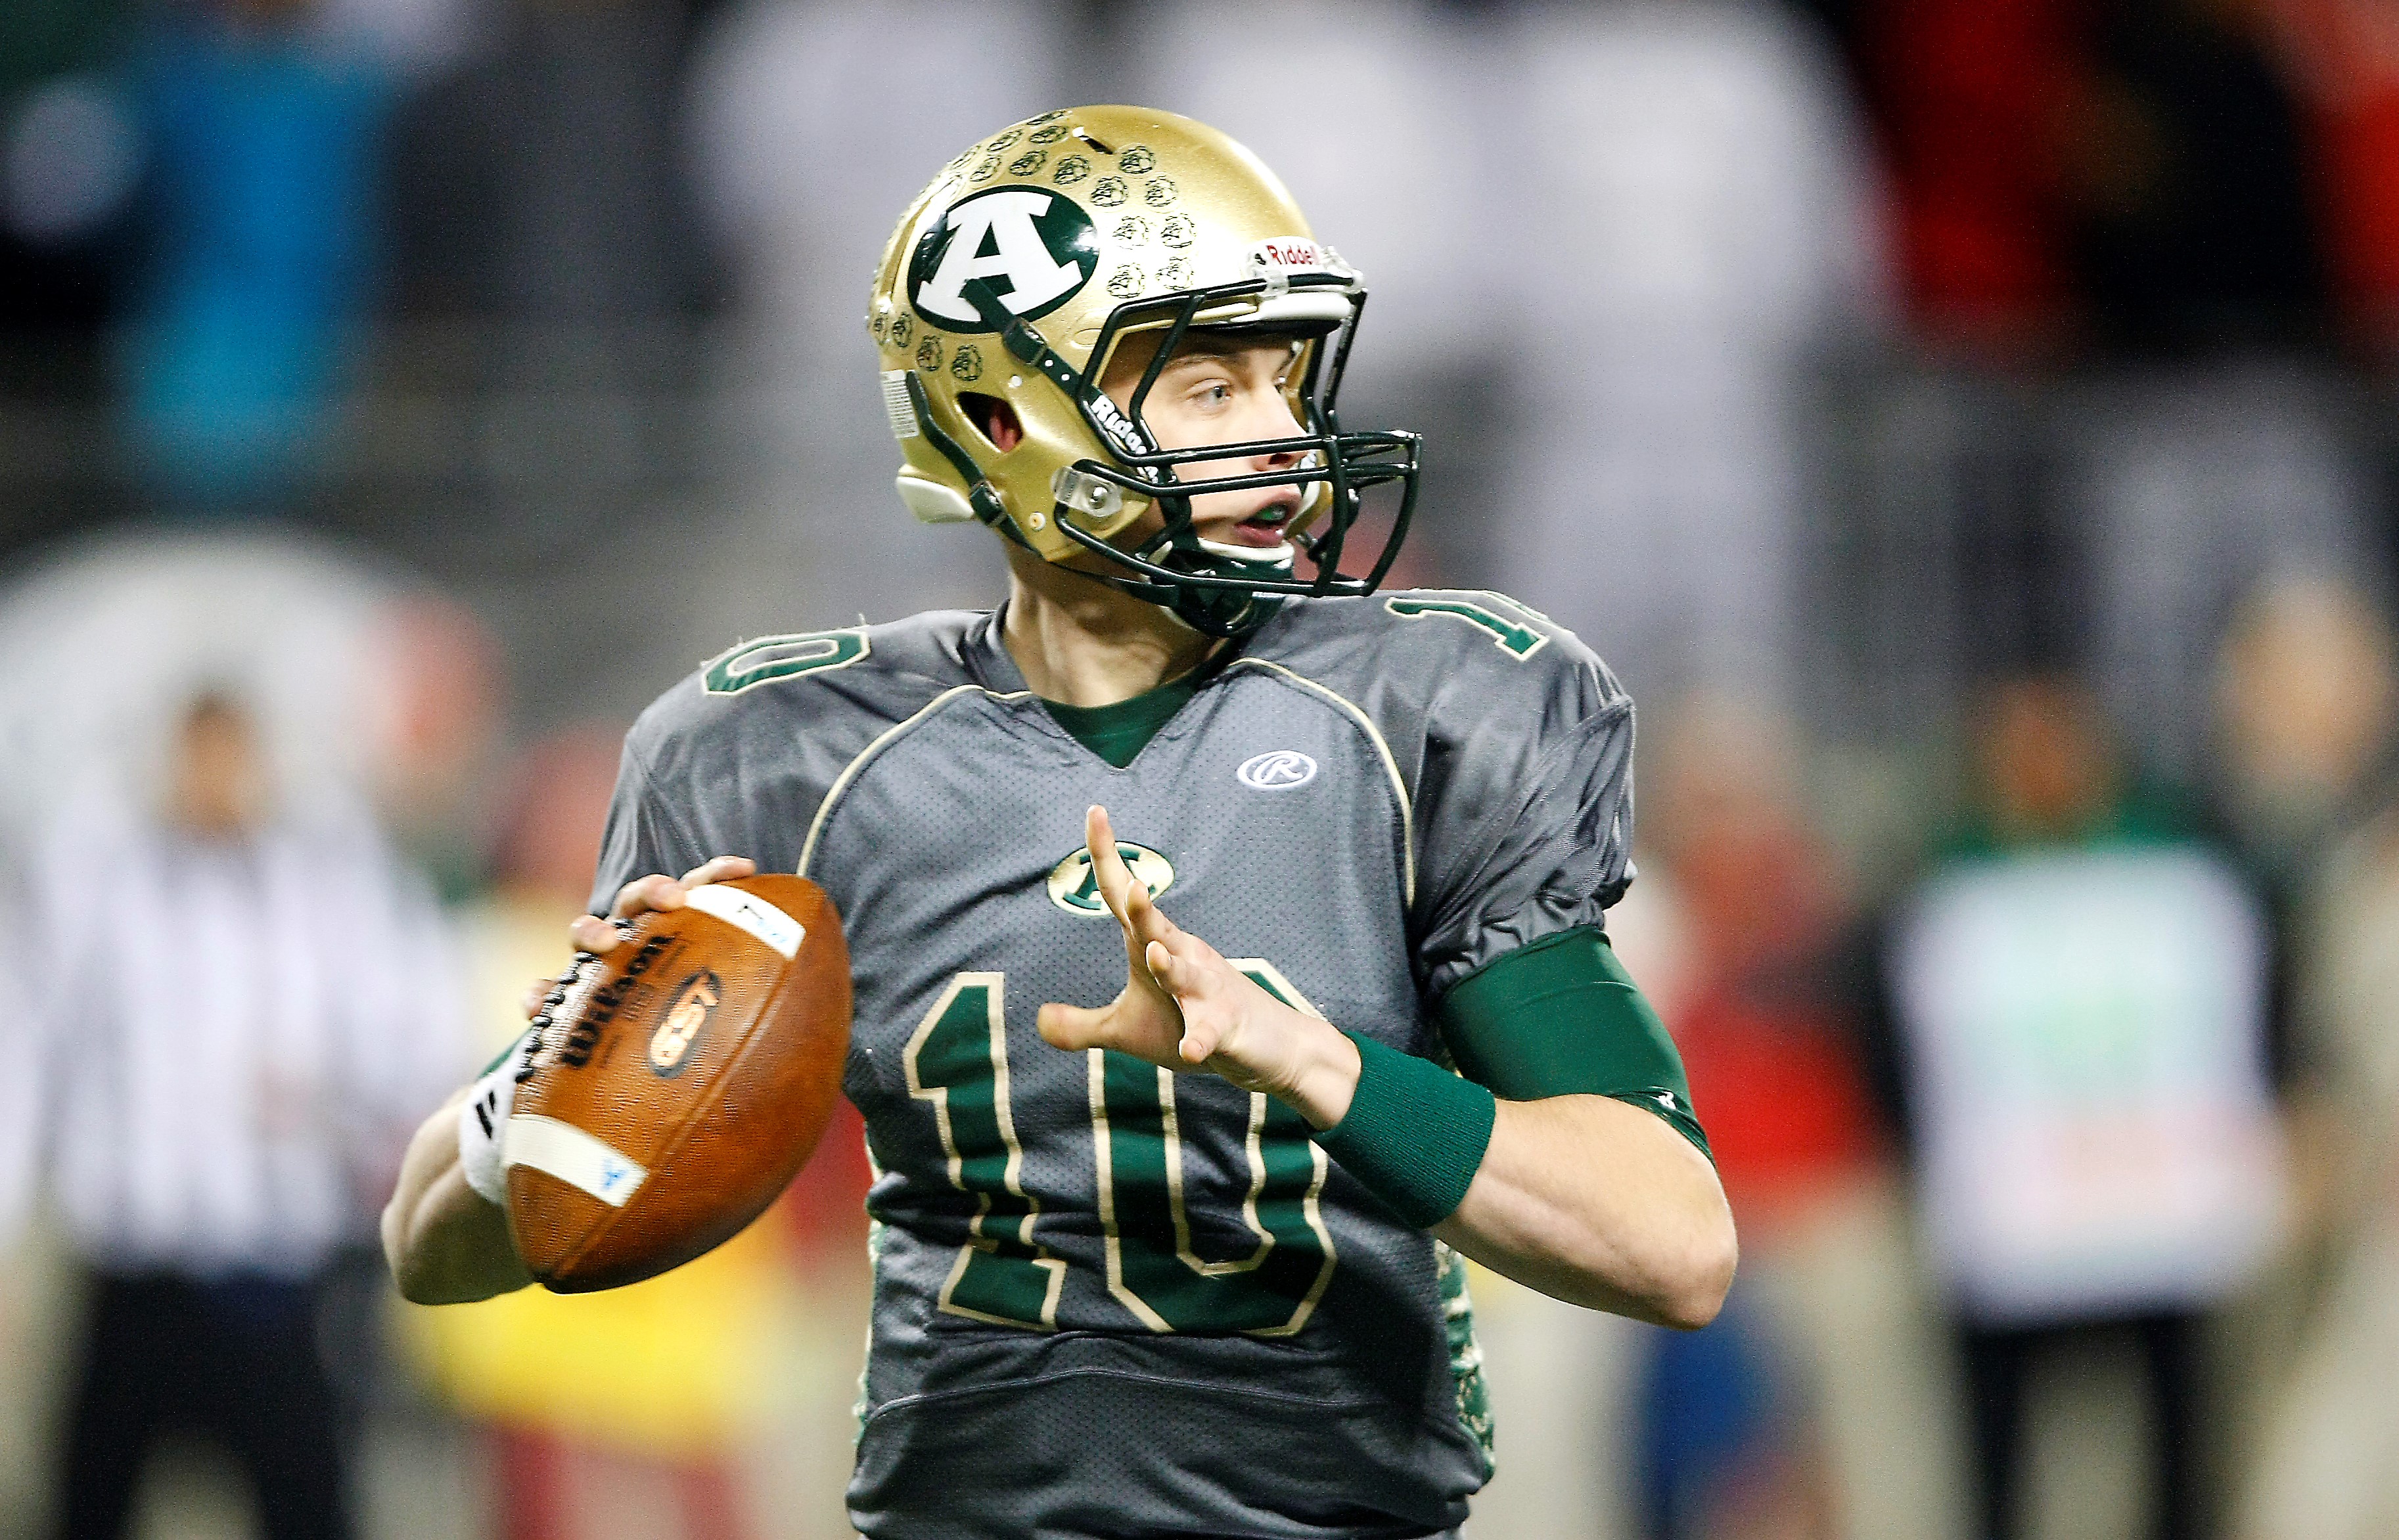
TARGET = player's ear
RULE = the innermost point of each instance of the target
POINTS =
(993, 418)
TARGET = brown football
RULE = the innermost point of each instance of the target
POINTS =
(684, 1078)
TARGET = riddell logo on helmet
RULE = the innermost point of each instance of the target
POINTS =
(1128, 439)
(1289, 251)
(1028, 249)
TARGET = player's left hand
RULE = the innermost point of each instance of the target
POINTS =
(1185, 1008)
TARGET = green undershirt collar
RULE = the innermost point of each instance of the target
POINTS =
(1118, 731)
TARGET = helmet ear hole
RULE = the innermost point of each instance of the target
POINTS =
(993, 418)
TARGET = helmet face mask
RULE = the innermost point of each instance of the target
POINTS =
(1019, 264)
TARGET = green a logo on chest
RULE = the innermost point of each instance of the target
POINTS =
(1075, 886)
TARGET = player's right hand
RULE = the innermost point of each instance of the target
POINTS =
(658, 891)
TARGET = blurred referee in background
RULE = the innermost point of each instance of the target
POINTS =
(235, 995)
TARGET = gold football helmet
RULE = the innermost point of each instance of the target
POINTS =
(1015, 275)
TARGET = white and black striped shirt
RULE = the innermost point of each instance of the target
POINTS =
(224, 1046)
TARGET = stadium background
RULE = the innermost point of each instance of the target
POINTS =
(1818, 363)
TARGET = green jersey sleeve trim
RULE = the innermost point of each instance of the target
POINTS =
(1559, 1017)
(1119, 732)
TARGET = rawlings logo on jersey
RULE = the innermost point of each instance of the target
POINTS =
(1276, 770)
(1075, 887)
(1029, 250)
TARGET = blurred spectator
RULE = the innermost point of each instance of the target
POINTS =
(1751, 1425)
(660, 1383)
(2306, 690)
(366, 690)
(2179, 494)
(538, 184)
(243, 1006)
(2308, 697)
(2079, 986)
(107, 647)
(258, 244)
(1344, 113)
(2185, 179)
(2130, 168)
(1688, 219)
(1967, 91)
(70, 154)
(2344, 57)
(2306, 694)
(800, 160)
(433, 693)
(1755, 1003)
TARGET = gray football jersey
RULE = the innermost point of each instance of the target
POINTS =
(1110, 1300)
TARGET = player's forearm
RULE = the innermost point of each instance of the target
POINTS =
(445, 1245)
(1601, 1204)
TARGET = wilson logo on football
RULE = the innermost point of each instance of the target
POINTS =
(695, 1002)
(1277, 770)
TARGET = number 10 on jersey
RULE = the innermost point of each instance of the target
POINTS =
(957, 1059)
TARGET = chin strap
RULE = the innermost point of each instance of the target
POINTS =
(1208, 609)
(981, 495)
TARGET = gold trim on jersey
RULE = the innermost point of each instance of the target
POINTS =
(1013, 1175)
(849, 772)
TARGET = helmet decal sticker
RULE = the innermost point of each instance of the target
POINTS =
(902, 328)
(988, 169)
(1131, 229)
(1108, 191)
(1071, 169)
(1002, 140)
(967, 364)
(1136, 160)
(1158, 192)
(1027, 163)
(1180, 230)
(928, 354)
(1125, 282)
(1049, 135)
(1030, 251)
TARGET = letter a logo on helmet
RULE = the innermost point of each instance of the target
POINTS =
(1030, 250)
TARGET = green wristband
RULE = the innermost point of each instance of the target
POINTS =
(1415, 1132)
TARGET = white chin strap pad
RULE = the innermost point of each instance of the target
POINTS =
(934, 503)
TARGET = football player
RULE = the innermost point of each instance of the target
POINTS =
(1227, 936)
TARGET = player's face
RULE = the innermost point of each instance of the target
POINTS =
(1215, 391)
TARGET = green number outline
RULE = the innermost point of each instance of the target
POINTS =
(728, 675)
(1002, 1268)
(994, 1267)
(1518, 641)
(1261, 1110)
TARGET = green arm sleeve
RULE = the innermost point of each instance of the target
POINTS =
(1561, 1016)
